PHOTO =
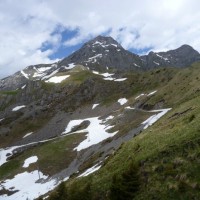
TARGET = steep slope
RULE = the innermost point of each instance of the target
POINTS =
(51, 120)
(162, 162)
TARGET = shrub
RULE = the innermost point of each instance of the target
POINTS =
(60, 194)
(126, 186)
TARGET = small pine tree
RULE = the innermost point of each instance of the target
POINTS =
(126, 186)
(60, 194)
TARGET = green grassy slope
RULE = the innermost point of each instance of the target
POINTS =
(164, 158)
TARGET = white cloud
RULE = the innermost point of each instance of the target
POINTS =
(26, 26)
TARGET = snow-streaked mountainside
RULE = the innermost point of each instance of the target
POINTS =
(103, 53)
(80, 125)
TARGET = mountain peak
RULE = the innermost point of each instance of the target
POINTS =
(186, 48)
(103, 41)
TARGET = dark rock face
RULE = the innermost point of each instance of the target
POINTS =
(103, 53)
(181, 57)
(23, 77)
(13, 82)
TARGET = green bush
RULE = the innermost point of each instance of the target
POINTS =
(60, 194)
(126, 186)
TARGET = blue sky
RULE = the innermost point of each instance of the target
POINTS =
(62, 51)
(44, 31)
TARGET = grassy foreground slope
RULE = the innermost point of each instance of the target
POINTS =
(163, 162)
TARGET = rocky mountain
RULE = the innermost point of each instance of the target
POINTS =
(181, 57)
(102, 122)
(101, 54)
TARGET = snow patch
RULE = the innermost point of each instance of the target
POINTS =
(23, 87)
(151, 93)
(28, 134)
(120, 79)
(139, 96)
(95, 105)
(95, 72)
(18, 108)
(27, 186)
(151, 120)
(122, 101)
(57, 79)
(24, 74)
(156, 63)
(43, 69)
(97, 132)
(107, 74)
(136, 65)
(94, 58)
(103, 44)
(50, 75)
(29, 161)
(128, 107)
(90, 170)
(5, 153)
(108, 118)
(166, 59)
(143, 94)
(2, 119)
(109, 79)
(115, 45)
(70, 66)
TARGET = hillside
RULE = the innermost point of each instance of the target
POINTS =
(105, 131)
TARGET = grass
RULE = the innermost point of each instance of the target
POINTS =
(53, 156)
(128, 120)
(158, 150)
(20, 129)
(11, 92)
(167, 153)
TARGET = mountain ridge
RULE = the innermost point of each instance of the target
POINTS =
(101, 54)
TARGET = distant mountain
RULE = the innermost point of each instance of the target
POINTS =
(181, 57)
(101, 54)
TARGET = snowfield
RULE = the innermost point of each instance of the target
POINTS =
(27, 186)
(97, 132)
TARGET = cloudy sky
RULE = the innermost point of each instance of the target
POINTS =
(43, 31)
